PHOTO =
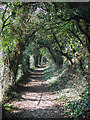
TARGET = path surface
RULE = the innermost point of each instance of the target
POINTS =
(36, 100)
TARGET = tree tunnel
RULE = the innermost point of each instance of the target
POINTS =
(60, 28)
(34, 35)
(46, 25)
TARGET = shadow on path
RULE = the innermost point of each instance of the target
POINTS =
(49, 112)
(34, 100)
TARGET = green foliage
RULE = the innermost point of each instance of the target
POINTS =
(8, 106)
(48, 73)
(78, 108)
(48, 29)
(14, 94)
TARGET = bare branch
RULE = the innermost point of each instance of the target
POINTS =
(6, 19)
(7, 24)
(76, 36)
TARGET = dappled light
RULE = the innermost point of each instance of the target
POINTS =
(35, 100)
(44, 60)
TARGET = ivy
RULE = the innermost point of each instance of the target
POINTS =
(78, 108)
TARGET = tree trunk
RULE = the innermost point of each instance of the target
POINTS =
(36, 61)
(40, 59)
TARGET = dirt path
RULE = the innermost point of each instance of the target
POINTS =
(36, 100)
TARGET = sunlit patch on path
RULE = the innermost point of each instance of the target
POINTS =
(36, 100)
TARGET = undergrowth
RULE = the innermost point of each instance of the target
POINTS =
(72, 91)
(80, 108)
